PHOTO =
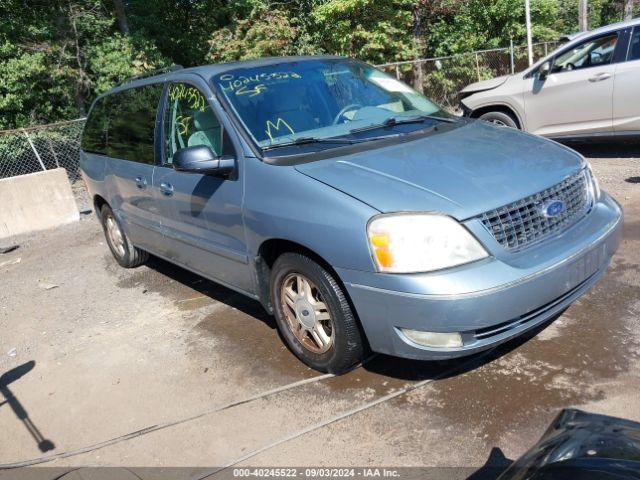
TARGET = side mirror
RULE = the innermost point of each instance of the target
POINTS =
(544, 70)
(201, 159)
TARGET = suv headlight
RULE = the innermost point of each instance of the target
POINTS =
(595, 186)
(410, 243)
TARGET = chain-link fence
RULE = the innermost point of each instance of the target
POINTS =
(444, 77)
(33, 149)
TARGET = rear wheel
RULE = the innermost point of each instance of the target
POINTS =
(502, 119)
(125, 253)
(313, 314)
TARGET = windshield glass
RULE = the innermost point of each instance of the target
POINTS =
(319, 99)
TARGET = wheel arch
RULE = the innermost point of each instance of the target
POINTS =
(268, 253)
(98, 202)
(498, 107)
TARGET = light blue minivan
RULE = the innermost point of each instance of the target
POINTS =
(358, 213)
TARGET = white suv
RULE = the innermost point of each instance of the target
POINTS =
(588, 87)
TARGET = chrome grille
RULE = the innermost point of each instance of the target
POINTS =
(523, 223)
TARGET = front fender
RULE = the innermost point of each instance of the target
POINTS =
(282, 203)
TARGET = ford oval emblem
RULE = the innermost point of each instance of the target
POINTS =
(552, 208)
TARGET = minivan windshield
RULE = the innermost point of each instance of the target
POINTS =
(314, 100)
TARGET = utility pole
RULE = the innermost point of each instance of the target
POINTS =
(583, 17)
(628, 9)
(527, 15)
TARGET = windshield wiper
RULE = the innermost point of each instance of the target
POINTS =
(392, 121)
(307, 140)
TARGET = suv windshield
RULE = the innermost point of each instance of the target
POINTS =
(318, 99)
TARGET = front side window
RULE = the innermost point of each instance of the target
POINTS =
(189, 121)
(634, 46)
(320, 98)
(132, 119)
(591, 53)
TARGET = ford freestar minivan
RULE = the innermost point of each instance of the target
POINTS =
(354, 209)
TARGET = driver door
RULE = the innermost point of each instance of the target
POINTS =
(576, 98)
(201, 214)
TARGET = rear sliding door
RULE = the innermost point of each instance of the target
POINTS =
(131, 148)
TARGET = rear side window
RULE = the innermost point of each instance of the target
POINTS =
(132, 118)
(94, 138)
(634, 47)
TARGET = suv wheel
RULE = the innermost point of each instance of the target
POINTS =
(313, 315)
(125, 253)
(502, 119)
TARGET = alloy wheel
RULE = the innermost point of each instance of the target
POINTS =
(115, 235)
(306, 312)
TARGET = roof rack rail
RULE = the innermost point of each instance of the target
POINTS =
(150, 73)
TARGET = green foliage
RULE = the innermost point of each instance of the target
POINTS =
(372, 30)
(265, 33)
(481, 24)
(181, 29)
(57, 55)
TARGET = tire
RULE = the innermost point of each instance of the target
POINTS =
(346, 342)
(501, 119)
(125, 253)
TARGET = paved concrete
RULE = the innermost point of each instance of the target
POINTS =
(117, 350)
(38, 201)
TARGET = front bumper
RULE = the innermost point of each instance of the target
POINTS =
(490, 301)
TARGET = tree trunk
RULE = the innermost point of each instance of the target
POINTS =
(122, 17)
(583, 17)
(628, 9)
(418, 47)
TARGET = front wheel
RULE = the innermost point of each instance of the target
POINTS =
(501, 119)
(313, 315)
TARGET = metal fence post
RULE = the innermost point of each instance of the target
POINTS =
(477, 66)
(53, 152)
(511, 57)
(33, 147)
(398, 72)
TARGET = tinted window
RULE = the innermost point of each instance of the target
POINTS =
(189, 121)
(94, 137)
(590, 53)
(634, 47)
(132, 117)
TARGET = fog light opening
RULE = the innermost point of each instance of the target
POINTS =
(434, 339)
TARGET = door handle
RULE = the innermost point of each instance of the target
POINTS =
(141, 182)
(166, 188)
(599, 77)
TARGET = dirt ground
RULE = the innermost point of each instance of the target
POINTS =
(90, 351)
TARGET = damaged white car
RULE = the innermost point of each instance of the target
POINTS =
(588, 87)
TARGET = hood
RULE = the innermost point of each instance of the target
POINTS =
(581, 445)
(485, 85)
(462, 172)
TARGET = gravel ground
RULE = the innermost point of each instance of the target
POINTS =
(102, 351)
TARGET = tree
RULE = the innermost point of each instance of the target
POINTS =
(372, 30)
(181, 29)
(266, 33)
(56, 55)
(424, 14)
(121, 15)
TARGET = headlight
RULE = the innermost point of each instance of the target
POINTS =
(595, 186)
(409, 243)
